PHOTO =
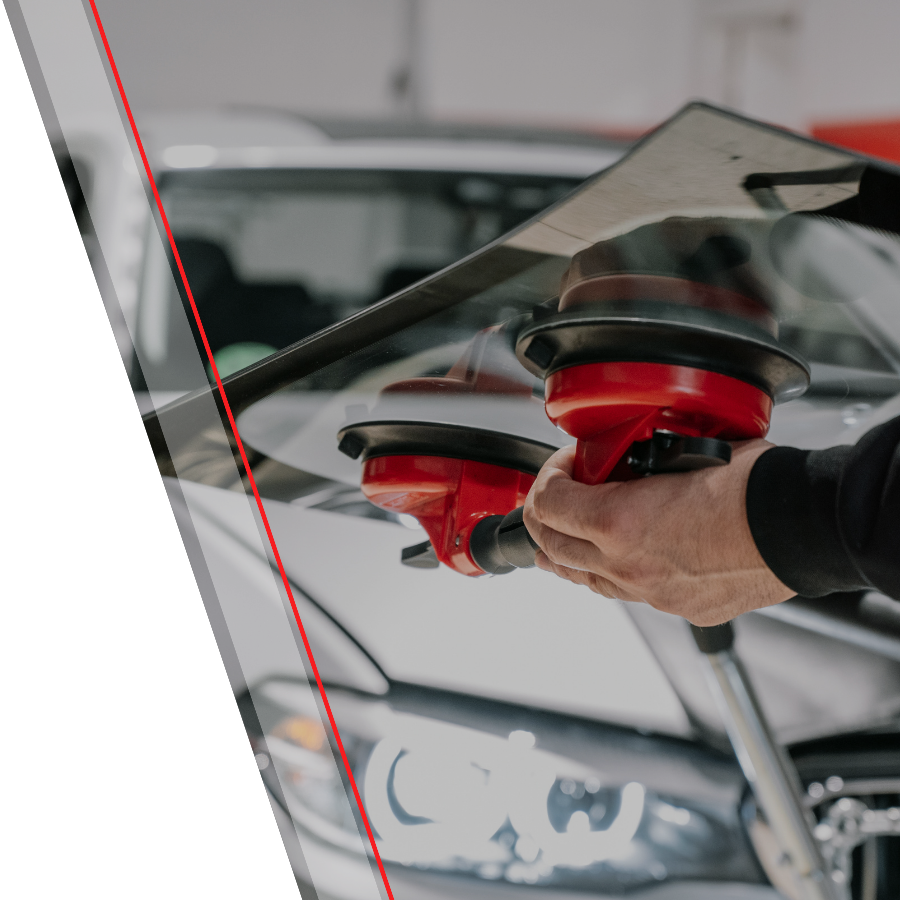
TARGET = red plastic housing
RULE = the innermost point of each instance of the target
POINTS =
(448, 497)
(608, 406)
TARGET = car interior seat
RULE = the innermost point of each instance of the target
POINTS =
(236, 312)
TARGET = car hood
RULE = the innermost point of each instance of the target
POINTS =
(820, 668)
(527, 639)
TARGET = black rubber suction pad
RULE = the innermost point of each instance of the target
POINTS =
(652, 332)
(369, 440)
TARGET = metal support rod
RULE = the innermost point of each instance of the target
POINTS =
(768, 769)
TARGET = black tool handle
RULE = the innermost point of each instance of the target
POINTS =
(500, 544)
(516, 544)
(715, 638)
(668, 452)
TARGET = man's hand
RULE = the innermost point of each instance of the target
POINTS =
(678, 542)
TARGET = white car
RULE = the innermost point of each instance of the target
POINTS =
(510, 736)
(294, 225)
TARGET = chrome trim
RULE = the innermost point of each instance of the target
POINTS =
(774, 780)
(839, 630)
(861, 787)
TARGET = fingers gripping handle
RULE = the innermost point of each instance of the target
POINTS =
(500, 544)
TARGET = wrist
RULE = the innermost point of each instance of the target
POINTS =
(791, 504)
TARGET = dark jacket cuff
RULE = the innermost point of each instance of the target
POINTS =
(792, 509)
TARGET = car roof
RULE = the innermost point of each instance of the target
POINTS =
(399, 129)
(253, 139)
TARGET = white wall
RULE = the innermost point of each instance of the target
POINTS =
(850, 59)
(567, 61)
(613, 64)
(322, 56)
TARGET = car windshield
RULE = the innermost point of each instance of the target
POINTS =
(274, 255)
(797, 221)
(831, 280)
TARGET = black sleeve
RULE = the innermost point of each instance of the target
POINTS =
(829, 520)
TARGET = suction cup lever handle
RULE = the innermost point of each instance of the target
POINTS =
(669, 452)
(420, 556)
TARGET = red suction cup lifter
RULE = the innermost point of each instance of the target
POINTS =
(450, 477)
(449, 497)
(478, 371)
(656, 371)
(661, 352)
(609, 406)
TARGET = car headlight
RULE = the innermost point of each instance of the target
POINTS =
(503, 793)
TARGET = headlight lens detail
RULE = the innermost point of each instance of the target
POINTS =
(505, 804)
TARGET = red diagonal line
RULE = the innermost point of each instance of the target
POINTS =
(240, 446)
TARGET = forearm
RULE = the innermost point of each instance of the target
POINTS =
(829, 520)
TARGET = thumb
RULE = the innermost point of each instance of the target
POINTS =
(563, 460)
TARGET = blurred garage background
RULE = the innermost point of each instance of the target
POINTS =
(532, 96)
(609, 66)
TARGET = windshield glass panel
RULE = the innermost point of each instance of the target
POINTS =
(275, 255)
(803, 256)
(829, 279)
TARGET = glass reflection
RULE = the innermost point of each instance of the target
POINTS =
(822, 254)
